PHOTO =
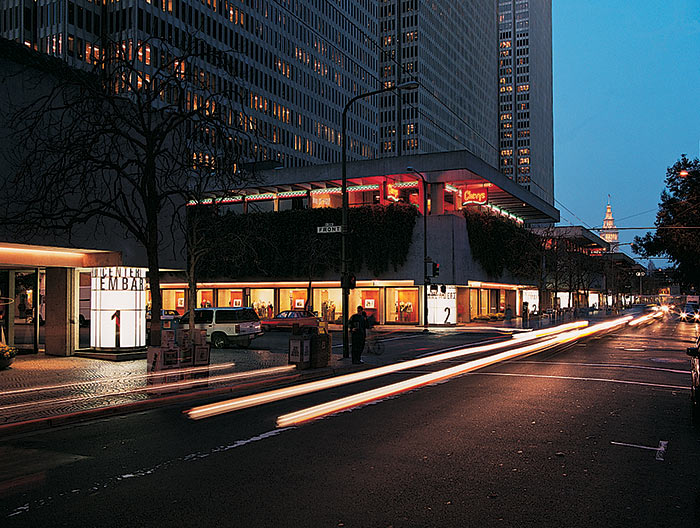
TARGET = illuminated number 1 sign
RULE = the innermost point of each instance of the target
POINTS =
(115, 316)
(117, 308)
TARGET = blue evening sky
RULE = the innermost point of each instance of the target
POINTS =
(626, 105)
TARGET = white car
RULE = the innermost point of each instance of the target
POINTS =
(224, 326)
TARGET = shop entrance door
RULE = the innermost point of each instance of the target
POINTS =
(23, 309)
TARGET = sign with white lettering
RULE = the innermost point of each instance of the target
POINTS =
(442, 306)
(117, 307)
(328, 228)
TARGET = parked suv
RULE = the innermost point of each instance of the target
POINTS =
(695, 383)
(224, 326)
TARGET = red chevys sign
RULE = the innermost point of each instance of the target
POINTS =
(475, 196)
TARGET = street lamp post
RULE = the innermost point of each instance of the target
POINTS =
(426, 280)
(640, 274)
(344, 227)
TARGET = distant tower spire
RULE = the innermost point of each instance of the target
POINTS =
(609, 232)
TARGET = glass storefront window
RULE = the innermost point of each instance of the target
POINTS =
(292, 299)
(263, 302)
(402, 305)
(84, 305)
(233, 298)
(27, 306)
(174, 300)
(368, 298)
(328, 302)
(484, 302)
(205, 298)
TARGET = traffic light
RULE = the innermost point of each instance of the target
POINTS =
(350, 282)
(436, 269)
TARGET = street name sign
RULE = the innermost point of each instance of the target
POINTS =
(328, 228)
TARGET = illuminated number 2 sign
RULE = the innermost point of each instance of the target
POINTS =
(477, 196)
(117, 308)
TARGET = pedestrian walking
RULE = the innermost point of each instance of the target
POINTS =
(358, 334)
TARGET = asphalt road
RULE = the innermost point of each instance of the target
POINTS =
(568, 437)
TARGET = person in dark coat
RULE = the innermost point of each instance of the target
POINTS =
(358, 334)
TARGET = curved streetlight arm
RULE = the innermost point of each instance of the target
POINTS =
(344, 189)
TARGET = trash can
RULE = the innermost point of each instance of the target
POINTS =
(300, 350)
(320, 350)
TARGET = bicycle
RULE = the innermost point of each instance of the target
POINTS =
(374, 345)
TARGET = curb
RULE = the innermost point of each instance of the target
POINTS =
(61, 420)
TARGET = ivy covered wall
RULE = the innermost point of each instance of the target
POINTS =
(286, 245)
(498, 244)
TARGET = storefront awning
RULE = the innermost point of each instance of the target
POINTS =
(441, 167)
(25, 255)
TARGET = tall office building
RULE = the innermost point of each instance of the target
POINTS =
(449, 47)
(296, 63)
(525, 94)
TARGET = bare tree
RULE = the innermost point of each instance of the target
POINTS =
(126, 146)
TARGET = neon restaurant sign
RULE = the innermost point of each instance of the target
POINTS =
(476, 196)
(117, 308)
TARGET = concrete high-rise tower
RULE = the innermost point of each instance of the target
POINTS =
(449, 47)
(525, 94)
(294, 64)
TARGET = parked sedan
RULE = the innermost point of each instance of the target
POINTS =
(289, 318)
(695, 383)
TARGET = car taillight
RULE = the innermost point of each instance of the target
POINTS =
(237, 329)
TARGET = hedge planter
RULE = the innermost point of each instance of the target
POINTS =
(7, 355)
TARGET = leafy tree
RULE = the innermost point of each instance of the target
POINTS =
(678, 222)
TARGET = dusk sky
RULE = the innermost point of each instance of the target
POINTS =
(626, 105)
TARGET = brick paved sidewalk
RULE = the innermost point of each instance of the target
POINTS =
(38, 387)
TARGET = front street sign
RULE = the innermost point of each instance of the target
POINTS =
(328, 228)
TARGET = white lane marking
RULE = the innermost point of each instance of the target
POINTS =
(660, 451)
(633, 349)
(626, 382)
(145, 472)
(607, 365)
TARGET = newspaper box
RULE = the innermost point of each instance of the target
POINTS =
(175, 362)
(320, 350)
(300, 351)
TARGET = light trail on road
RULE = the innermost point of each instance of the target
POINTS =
(646, 318)
(324, 409)
(206, 411)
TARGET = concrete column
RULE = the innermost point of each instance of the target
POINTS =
(10, 310)
(60, 312)
(437, 198)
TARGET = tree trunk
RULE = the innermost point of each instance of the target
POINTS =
(156, 300)
(152, 207)
(192, 302)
